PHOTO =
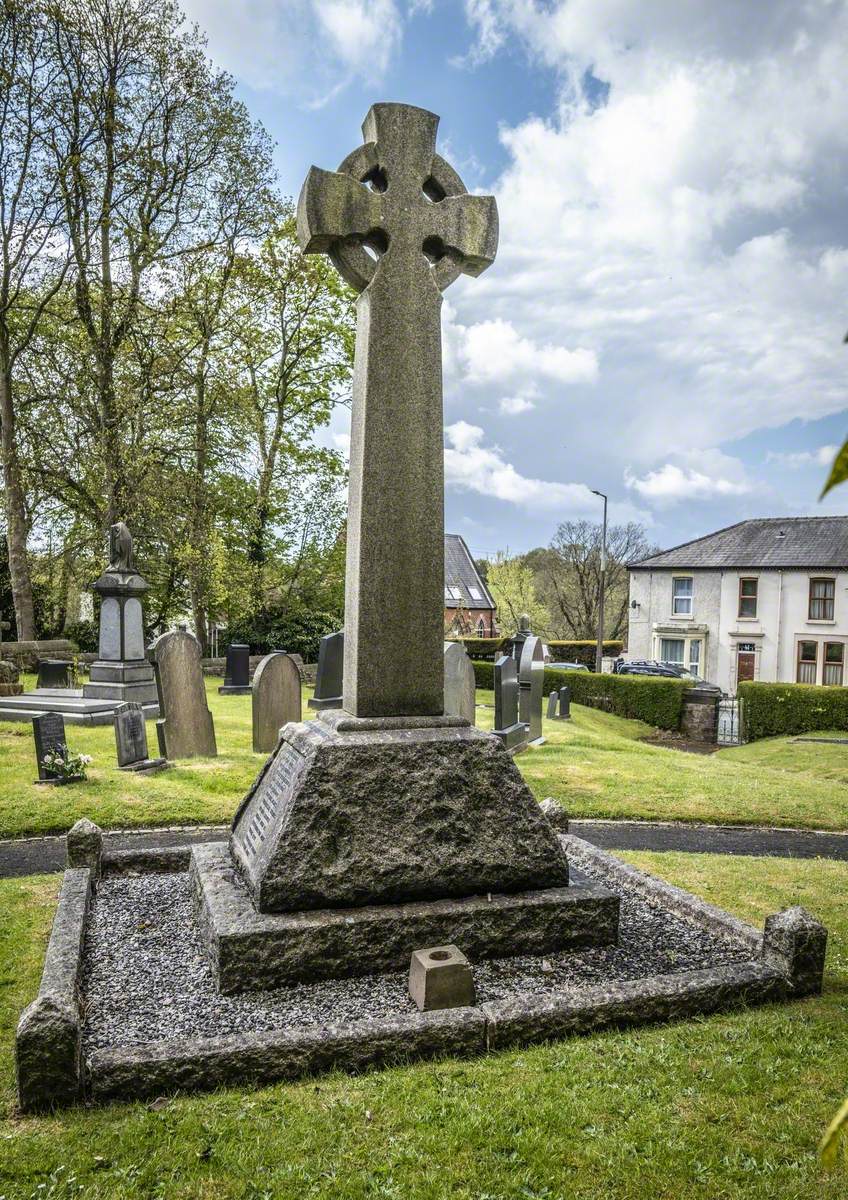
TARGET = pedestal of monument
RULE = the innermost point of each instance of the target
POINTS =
(121, 672)
(364, 839)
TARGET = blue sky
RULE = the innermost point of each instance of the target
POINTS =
(665, 317)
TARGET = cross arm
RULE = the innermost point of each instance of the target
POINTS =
(468, 226)
(332, 207)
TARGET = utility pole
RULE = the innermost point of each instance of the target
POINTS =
(599, 653)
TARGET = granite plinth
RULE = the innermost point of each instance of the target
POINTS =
(250, 949)
(363, 811)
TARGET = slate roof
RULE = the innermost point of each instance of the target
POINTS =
(461, 573)
(800, 542)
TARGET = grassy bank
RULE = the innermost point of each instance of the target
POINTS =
(596, 764)
(731, 1107)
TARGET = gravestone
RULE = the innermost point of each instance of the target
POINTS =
(276, 699)
(389, 801)
(553, 701)
(508, 728)
(531, 681)
(460, 684)
(55, 673)
(329, 680)
(131, 740)
(49, 732)
(564, 704)
(515, 645)
(186, 729)
(121, 670)
(237, 671)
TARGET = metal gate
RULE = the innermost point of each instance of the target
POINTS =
(729, 730)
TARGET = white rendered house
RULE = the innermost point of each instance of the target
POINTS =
(765, 599)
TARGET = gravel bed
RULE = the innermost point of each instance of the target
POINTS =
(146, 976)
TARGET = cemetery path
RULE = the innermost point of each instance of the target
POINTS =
(43, 855)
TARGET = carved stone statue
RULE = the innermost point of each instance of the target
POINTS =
(120, 548)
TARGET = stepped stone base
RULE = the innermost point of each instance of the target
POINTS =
(123, 682)
(252, 950)
(349, 812)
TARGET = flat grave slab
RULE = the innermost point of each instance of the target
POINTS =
(76, 709)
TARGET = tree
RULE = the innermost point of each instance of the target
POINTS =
(161, 156)
(513, 587)
(33, 258)
(295, 352)
(568, 574)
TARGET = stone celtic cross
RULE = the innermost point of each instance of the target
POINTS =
(399, 225)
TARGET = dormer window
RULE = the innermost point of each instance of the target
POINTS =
(681, 596)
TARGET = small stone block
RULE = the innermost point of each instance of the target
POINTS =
(440, 977)
(795, 941)
(84, 845)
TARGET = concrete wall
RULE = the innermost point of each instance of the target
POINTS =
(782, 621)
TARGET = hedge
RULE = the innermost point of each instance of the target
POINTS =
(652, 699)
(583, 652)
(772, 709)
(579, 652)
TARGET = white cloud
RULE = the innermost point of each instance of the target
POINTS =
(683, 223)
(513, 406)
(361, 33)
(494, 351)
(705, 475)
(308, 49)
(821, 457)
(473, 467)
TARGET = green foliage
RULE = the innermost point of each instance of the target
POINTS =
(482, 648)
(784, 708)
(296, 631)
(85, 634)
(513, 590)
(836, 1136)
(838, 472)
(655, 701)
(484, 674)
(583, 651)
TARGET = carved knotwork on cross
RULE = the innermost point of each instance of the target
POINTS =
(398, 223)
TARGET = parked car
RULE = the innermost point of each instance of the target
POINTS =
(647, 668)
(666, 670)
(568, 666)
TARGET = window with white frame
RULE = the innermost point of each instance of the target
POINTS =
(481, 628)
(475, 593)
(681, 596)
(672, 650)
(695, 656)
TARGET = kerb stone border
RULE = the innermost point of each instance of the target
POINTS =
(620, 874)
(48, 1041)
(787, 962)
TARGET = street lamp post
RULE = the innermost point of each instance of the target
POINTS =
(599, 653)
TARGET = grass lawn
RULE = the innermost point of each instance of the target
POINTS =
(595, 764)
(715, 1109)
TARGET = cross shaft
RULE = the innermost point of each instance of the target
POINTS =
(398, 199)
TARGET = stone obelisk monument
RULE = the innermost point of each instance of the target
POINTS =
(387, 800)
